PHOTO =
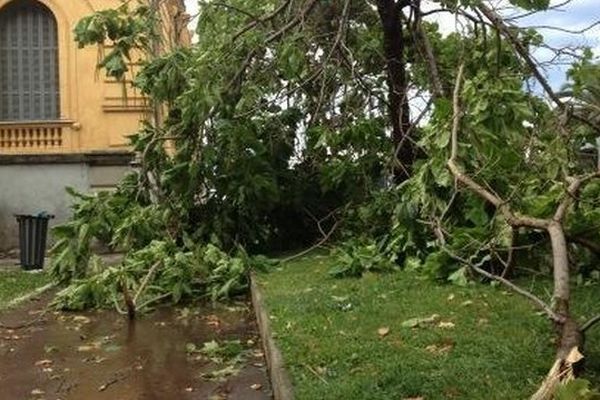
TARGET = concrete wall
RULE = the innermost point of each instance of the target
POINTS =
(29, 185)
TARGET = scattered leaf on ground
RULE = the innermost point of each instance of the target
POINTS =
(446, 325)
(340, 299)
(50, 349)
(440, 348)
(221, 374)
(43, 363)
(88, 347)
(81, 319)
(416, 322)
(383, 331)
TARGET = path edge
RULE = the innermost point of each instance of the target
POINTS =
(28, 296)
(280, 380)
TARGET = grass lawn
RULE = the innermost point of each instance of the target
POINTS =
(14, 284)
(349, 339)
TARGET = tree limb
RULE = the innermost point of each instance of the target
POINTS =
(592, 246)
(262, 20)
(437, 88)
(146, 280)
(503, 28)
(511, 218)
(536, 300)
(591, 322)
(572, 191)
(315, 246)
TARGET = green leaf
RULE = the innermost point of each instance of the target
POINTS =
(537, 5)
(576, 389)
(459, 277)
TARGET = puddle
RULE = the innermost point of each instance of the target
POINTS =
(100, 356)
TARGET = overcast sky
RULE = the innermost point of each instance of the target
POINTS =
(574, 16)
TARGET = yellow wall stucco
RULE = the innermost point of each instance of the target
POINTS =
(94, 113)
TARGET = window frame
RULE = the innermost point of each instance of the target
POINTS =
(34, 83)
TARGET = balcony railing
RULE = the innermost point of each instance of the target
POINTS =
(36, 137)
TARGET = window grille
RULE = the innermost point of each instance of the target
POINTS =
(29, 83)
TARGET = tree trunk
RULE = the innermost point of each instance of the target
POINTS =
(560, 261)
(570, 336)
(128, 301)
(399, 111)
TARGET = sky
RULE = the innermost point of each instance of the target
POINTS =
(576, 15)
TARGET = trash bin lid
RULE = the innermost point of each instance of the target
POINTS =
(43, 215)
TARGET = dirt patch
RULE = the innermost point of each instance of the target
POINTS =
(101, 356)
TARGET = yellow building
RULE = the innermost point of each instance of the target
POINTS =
(62, 122)
(52, 98)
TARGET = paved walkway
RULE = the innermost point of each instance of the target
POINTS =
(8, 264)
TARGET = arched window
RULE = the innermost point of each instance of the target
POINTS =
(29, 86)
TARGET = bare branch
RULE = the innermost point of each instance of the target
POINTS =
(572, 191)
(587, 243)
(145, 281)
(591, 322)
(262, 20)
(529, 13)
(565, 30)
(308, 7)
(457, 111)
(501, 26)
(543, 306)
(315, 246)
(427, 52)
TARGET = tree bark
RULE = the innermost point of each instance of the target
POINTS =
(128, 301)
(399, 111)
(560, 268)
(570, 335)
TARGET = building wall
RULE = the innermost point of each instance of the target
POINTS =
(94, 112)
(32, 184)
(87, 147)
(85, 122)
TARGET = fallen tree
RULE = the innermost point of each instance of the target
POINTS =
(571, 334)
(293, 123)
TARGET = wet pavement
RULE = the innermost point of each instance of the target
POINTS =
(101, 356)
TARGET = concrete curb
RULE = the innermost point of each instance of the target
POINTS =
(280, 380)
(15, 302)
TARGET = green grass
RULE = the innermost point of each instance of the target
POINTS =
(327, 329)
(18, 283)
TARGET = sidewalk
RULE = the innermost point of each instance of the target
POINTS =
(13, 263)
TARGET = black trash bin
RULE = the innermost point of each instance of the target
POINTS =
(33, 230)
